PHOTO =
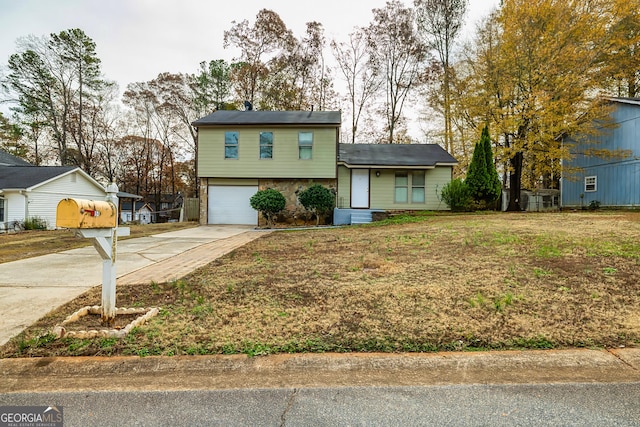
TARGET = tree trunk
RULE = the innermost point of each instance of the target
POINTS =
(515, 183)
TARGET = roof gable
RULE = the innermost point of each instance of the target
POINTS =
(227, 118)
(24, 177)
(395, 155)
(30, 177)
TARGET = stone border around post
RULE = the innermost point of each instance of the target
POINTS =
(146, 313)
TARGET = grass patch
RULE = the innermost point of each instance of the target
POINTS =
(433, 283)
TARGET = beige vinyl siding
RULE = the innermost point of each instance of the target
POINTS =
(344, 187)
(285, 162)
(383, 190)
(233, 182)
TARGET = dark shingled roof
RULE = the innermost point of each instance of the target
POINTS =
(23, 177)
(7, 159)
(226, 118)
(403, 155)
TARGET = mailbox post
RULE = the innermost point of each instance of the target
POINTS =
(98, 221)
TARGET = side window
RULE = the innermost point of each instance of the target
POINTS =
(590, 184)
(2, 209)
(417, 187)
(305, 145)
(266, 145)
(402, 187)
(231, 145)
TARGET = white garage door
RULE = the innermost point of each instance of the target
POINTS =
(230, 205)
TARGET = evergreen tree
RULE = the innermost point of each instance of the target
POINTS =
(482, 177)
(495, 187)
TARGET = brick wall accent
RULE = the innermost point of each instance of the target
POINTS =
(204, 200)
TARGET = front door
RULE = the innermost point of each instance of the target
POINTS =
(360, 188)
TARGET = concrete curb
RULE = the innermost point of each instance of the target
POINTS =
(319, 370)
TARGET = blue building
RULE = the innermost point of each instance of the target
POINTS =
(610, 178)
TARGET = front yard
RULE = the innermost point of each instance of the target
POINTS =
(426, 283)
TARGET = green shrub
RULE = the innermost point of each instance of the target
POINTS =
(456, 195)
(318, 200)
(34, 223)
(269, 203)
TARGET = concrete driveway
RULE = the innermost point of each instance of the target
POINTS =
(31, 288)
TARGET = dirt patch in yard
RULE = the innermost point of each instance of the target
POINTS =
(445, 282)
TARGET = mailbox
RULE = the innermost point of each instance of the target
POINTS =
(79, 213)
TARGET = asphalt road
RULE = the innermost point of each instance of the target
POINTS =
(451, 405)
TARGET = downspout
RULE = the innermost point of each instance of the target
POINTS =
(24, 193)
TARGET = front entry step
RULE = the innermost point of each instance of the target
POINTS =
(364, 217)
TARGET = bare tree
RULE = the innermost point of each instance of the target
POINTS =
(396, 47)
(440, 22)
(268, 34)
(360, 73)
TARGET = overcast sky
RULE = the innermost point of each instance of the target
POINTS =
(138, 39)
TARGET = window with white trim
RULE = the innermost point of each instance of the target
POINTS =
(417, 187)
(590, 184)
(402, 187)
(231, 145)
(305, 145)
(410, 187)
(266, 145)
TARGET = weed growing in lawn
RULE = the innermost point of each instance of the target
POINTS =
(478, 301)
(75, 345)
(107, 343)
(38, 341)
(609, 271)
(548, 252)
(541, 272)
(503, 301)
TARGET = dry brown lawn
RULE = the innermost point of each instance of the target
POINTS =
(428, 283)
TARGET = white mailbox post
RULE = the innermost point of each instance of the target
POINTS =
(83, 217)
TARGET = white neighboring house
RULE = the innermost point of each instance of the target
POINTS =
(142, 212)
(28, 191)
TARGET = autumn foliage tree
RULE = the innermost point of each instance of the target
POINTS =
(535, 79)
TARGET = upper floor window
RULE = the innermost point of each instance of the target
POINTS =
(590, 183)
(305, 145)
(231, 145)
(266, 145)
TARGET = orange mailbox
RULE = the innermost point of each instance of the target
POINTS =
(79, 213)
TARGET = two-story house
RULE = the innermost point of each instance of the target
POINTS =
(604, 169)
(241, 152)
